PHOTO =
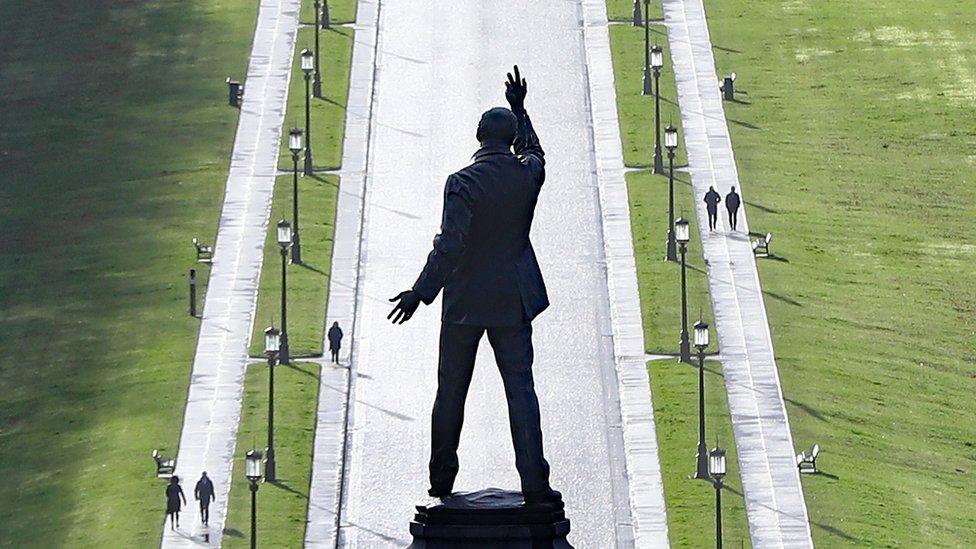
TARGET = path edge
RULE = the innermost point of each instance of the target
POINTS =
(329, 449)
(645, 482)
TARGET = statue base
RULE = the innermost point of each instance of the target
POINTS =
(489, 519)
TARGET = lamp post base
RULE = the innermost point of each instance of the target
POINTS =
(308, 162)
(647, 82)
(296, 250)
(658, 161)
(284, 357)
(671, 254)
(637, 14)
(701, 471)
(317, 87)
(269, 467)
(684, 354)
(489, 519)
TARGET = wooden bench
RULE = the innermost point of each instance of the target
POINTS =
(164, 466)
(204, 252)
(761, 246)
(806, 462)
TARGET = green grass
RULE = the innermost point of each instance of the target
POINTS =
(340, 11)
(623, 10)
(282, 505)
(308, 283)
(855, 144)
(114, 145)
(691, 503)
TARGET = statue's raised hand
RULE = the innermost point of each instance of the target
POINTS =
(515, 90)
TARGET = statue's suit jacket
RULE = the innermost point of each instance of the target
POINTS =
(482, 257)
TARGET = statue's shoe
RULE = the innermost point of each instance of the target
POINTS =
(439, 492)
(542, 496)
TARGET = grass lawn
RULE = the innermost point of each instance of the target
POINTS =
(690, 503)
(282, 505)
(857, 130)
(114, 145)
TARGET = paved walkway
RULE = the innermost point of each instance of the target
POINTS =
(328, 456)
(213, 405)
(771, 484)
(437, 67)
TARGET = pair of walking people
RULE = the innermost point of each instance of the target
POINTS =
(732, 203)
(204, 492)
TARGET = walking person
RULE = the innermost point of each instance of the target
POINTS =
(712, 199)
(732, 202)
(173, 495)
(335, 341)
(204, 493)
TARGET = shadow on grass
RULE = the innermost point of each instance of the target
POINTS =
(313, 268)
(825, 527)
(233, 533)
(762, 208)
(283, 486)
(139, 147)
(810, 410)
(746, 125)
(782, 298)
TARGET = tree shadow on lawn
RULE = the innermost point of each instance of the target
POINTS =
(804, 407)
(107, 315)
(825, 527)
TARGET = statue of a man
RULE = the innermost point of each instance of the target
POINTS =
(485, 263)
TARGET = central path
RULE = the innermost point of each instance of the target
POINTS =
(438, 66)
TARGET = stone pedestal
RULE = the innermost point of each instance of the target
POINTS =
(489, 519)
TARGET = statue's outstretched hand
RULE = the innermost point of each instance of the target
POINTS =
(515, 90)
(408, 303)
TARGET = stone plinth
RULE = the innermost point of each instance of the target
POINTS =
(489, 519)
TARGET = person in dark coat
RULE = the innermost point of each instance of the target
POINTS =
(204, 493)
(173, 495)
(483, 260)
(712, 199)
(335, 340)
(732, 202)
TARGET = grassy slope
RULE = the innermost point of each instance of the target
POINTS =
(860, 143)
(114, 148)
(690, 503)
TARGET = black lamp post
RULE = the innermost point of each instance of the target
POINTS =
(295, 145)
(683, 235)
(716, 466)
(272, 342)
(308, 66)
(671, 143)
(657, 61)
(317, 82)
(326, 20)
(637, 13)
(284, 241)
(701, 342)
(252, 470)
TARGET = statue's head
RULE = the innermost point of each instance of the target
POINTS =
(497, 125)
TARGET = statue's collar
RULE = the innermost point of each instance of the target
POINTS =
(492, 147)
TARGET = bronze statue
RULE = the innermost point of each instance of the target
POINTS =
(492, 283)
